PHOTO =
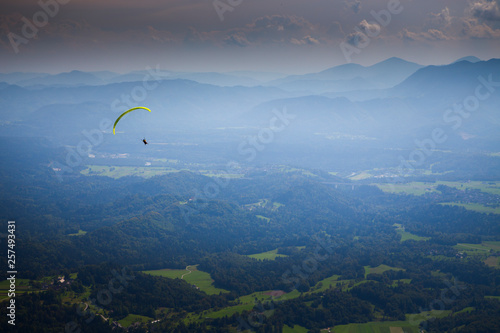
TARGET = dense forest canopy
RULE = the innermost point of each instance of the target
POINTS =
(344, 254)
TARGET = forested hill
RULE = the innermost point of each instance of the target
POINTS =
(338, 246)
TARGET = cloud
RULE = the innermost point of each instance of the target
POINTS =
(238, 39)
(8, 21)
(434, 34)
(355, 5)
(334, 31)
(270, 29)
(307, 40)
(369, 28)
(407, 35)
(356, 38)
(363, 32)
(193, 36)
(487, 10)
(440, 20)
(281, 23)
(429, 35)
(160, 36)
(481, 20)
(472, 28)
(478, 22)
(274, 29)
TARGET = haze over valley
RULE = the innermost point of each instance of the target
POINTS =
(236, 166)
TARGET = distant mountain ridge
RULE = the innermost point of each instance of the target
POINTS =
(469, 59)
(347, 77)
(73, 78)
(416, 102)
(79, 78)
(458, 78)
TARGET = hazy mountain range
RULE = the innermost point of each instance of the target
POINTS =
(391, 100)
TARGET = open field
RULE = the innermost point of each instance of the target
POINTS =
(380, 269)
(22, 286)
(360, 176)
(168, 273)
(401, 281)
(345, 285)
(488, 187)
(407, 326)
(116, 172)
(415, 188)
(267, 219)
(295, 329)
(495, 246)
(261, 204)
(405, 235)
(132, 318)
(482, 250)
(269, 255)
(474, 207)
(464, 310)
(224, 175)
(472, 247)
(493, 297)
(287, 169)
(325, 283)
(276, 205)
(377, 327)
(70, 297)
(247, 302)
(200, 279)
(264, 203)
(79, 233)
(420, 188)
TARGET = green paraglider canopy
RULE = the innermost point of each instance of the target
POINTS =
(124, 113)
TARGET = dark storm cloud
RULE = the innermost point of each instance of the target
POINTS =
(486, 10)
(149, 29)
(238, 39)
(355, 6)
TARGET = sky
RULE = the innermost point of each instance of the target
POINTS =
(286, 36)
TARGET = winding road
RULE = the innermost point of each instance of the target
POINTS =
(187, 269)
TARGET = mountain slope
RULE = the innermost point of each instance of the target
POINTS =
(460, 78)
(74, 78)
(348, 77)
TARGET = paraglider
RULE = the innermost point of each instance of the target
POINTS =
(124, 113)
